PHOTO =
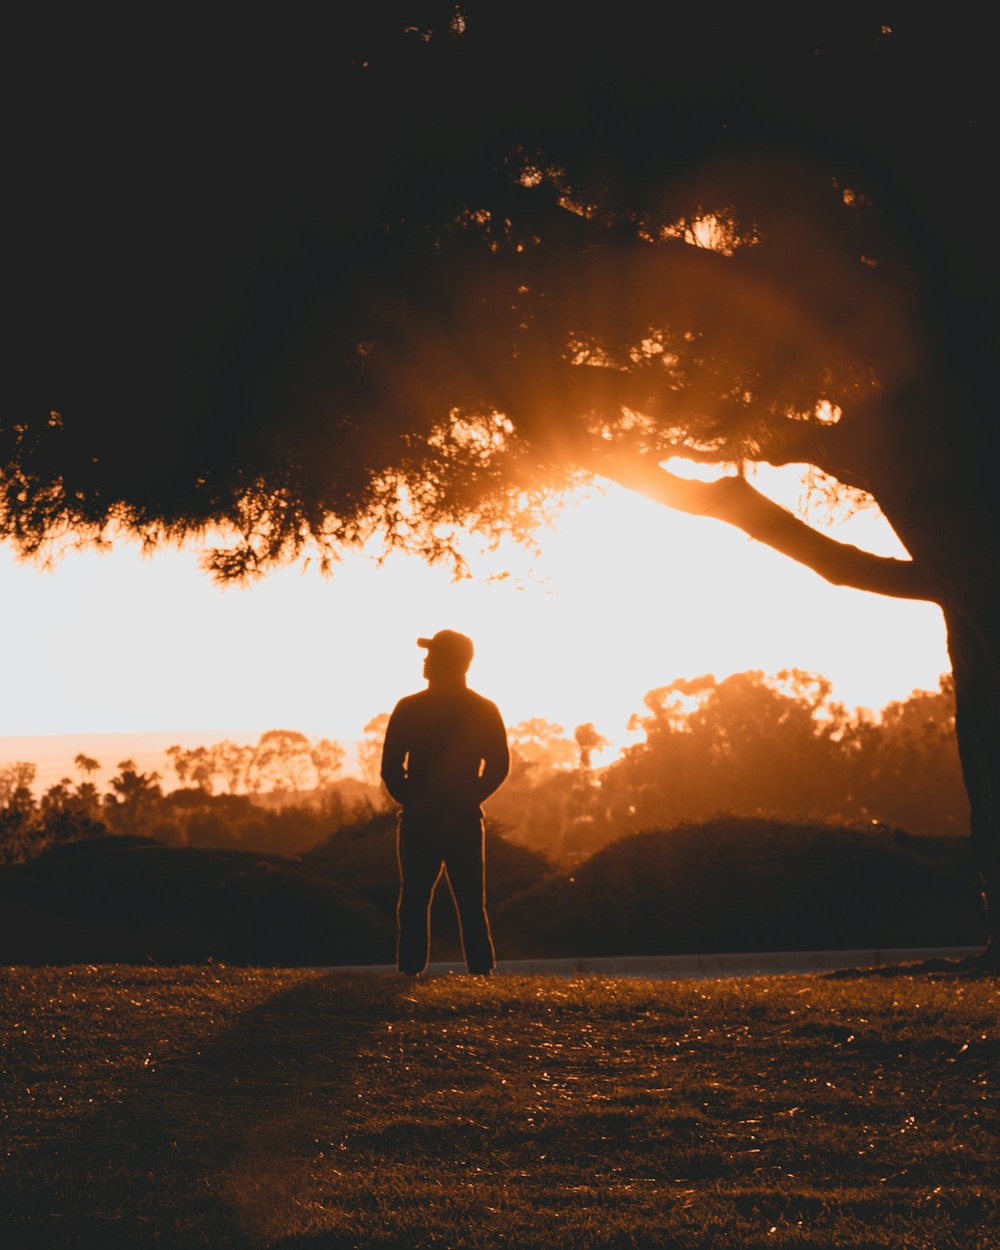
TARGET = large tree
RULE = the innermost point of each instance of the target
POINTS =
(423, 268)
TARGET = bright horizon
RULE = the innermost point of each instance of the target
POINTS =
(626, 596)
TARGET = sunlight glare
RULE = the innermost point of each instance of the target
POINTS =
(625, 596)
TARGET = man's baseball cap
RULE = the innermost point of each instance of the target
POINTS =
(449, 645)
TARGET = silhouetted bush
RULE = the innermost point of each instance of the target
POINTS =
(192, 817)
(125, 899)
(362, 858)
(740, 884)
(729, 884)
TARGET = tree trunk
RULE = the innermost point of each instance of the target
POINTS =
(974, 647)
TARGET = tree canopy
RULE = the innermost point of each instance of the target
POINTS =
(419, 272)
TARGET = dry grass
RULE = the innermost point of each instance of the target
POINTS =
(234, 1107)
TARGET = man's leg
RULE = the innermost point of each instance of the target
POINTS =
(467, 878)
(419, 869)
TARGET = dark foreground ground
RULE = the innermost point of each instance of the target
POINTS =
(219, 1107)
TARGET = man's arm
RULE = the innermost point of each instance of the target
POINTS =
(496, 755)
(394, 751)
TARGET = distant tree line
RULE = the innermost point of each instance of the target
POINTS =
(283, 762)
(279, 796)
(754, 745)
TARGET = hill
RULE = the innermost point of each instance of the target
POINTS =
(730, 884)
(133, 900)
(362, 858)
(752, 884)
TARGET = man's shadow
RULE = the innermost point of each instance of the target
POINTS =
(150, 1167)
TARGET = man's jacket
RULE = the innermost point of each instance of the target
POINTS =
(445, 751)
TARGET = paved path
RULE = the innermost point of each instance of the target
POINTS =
(673, 967)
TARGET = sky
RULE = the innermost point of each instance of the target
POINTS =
(625, 596)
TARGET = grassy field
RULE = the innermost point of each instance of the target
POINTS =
(219, 1107)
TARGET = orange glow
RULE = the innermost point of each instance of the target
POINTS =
(626, 596)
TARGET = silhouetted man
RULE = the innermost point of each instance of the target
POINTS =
(445, 752)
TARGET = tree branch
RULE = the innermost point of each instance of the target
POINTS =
(824, 446)
(735, 501)
(645, 389)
